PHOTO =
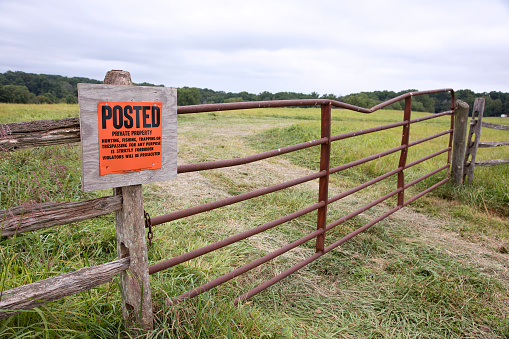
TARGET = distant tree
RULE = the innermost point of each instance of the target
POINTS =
(42, 99)
(51, 97)
(418, 106)
(265, 96)
(396, 106)
(148, 84)
(188, 96)
(238, 99)
(360, 99)
(329, 96)
(247, 96)
(71, 99)
(42, 84)
(16, 94)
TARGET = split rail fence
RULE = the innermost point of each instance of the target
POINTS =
(39, 133)
(474, 141)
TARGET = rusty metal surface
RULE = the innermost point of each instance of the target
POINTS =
(364, 185)
(425, 176)
(366, 131)
(232, 200)
(310, 259)
(266, 104)
(241, 270)
(323, 175)
(363, 209)
(245, 160)
(417, 196)
(405, 137)
(366, 159)
(225, 242)
(413, 163)
(323, 185)
(304, 102)
(388, 126)
(434, 136)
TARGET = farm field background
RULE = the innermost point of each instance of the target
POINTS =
(437, 268)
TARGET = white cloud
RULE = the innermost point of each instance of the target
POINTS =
(326, 46)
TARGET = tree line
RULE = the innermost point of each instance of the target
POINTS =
(21, 87)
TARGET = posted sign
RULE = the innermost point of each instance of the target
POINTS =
(128, 135)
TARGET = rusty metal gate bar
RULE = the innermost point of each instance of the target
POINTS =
(325, 142)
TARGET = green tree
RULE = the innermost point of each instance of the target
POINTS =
(16, 94)
(42, 99)
(265, 96)
(188, 96)
(239, 99)
(360, 99)
(71, 99)
(329, 96)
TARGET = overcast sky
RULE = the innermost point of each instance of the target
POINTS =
(327, 46)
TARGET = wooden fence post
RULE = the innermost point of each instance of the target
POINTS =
(131, 242)
(475, 134)
(459, 142)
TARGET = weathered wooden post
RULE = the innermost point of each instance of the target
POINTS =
(475, 134)
(128, 138)
(131, 242)
(459, 142)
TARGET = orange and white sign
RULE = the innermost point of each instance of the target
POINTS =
(130, 136)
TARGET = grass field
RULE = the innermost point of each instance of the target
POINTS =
(436, 269)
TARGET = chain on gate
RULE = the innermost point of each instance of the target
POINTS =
(148, 224)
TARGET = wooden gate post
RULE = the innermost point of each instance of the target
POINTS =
(475, 134)
(459, 142)
(131, 242)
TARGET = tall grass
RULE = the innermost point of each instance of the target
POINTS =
(489, 189)
(389, 282)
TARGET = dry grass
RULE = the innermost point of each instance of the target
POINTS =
(425, 272)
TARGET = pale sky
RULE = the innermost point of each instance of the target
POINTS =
(337, 47)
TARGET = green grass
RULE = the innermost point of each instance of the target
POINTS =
(26, 112)
(393, 281)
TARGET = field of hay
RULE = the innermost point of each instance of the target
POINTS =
(435, 269)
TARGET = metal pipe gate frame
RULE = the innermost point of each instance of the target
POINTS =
(322, 175)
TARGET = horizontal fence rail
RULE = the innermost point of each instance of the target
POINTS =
(21, 135)
(494, 162)
(38, 293)
(23, 219)
(474, 143)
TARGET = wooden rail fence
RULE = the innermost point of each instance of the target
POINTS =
(474, 143)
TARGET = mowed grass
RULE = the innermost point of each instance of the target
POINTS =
(393, 281)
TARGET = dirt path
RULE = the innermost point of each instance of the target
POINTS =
(485, 254)
(196, 187)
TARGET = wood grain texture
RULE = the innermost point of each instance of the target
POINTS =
(27, 218)
(89, 97)
(459, 142)
(492, 162)
(493, 144)
(495, 126)
(28, 134)
(474, 135)
(131, 240)
(38, 293)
